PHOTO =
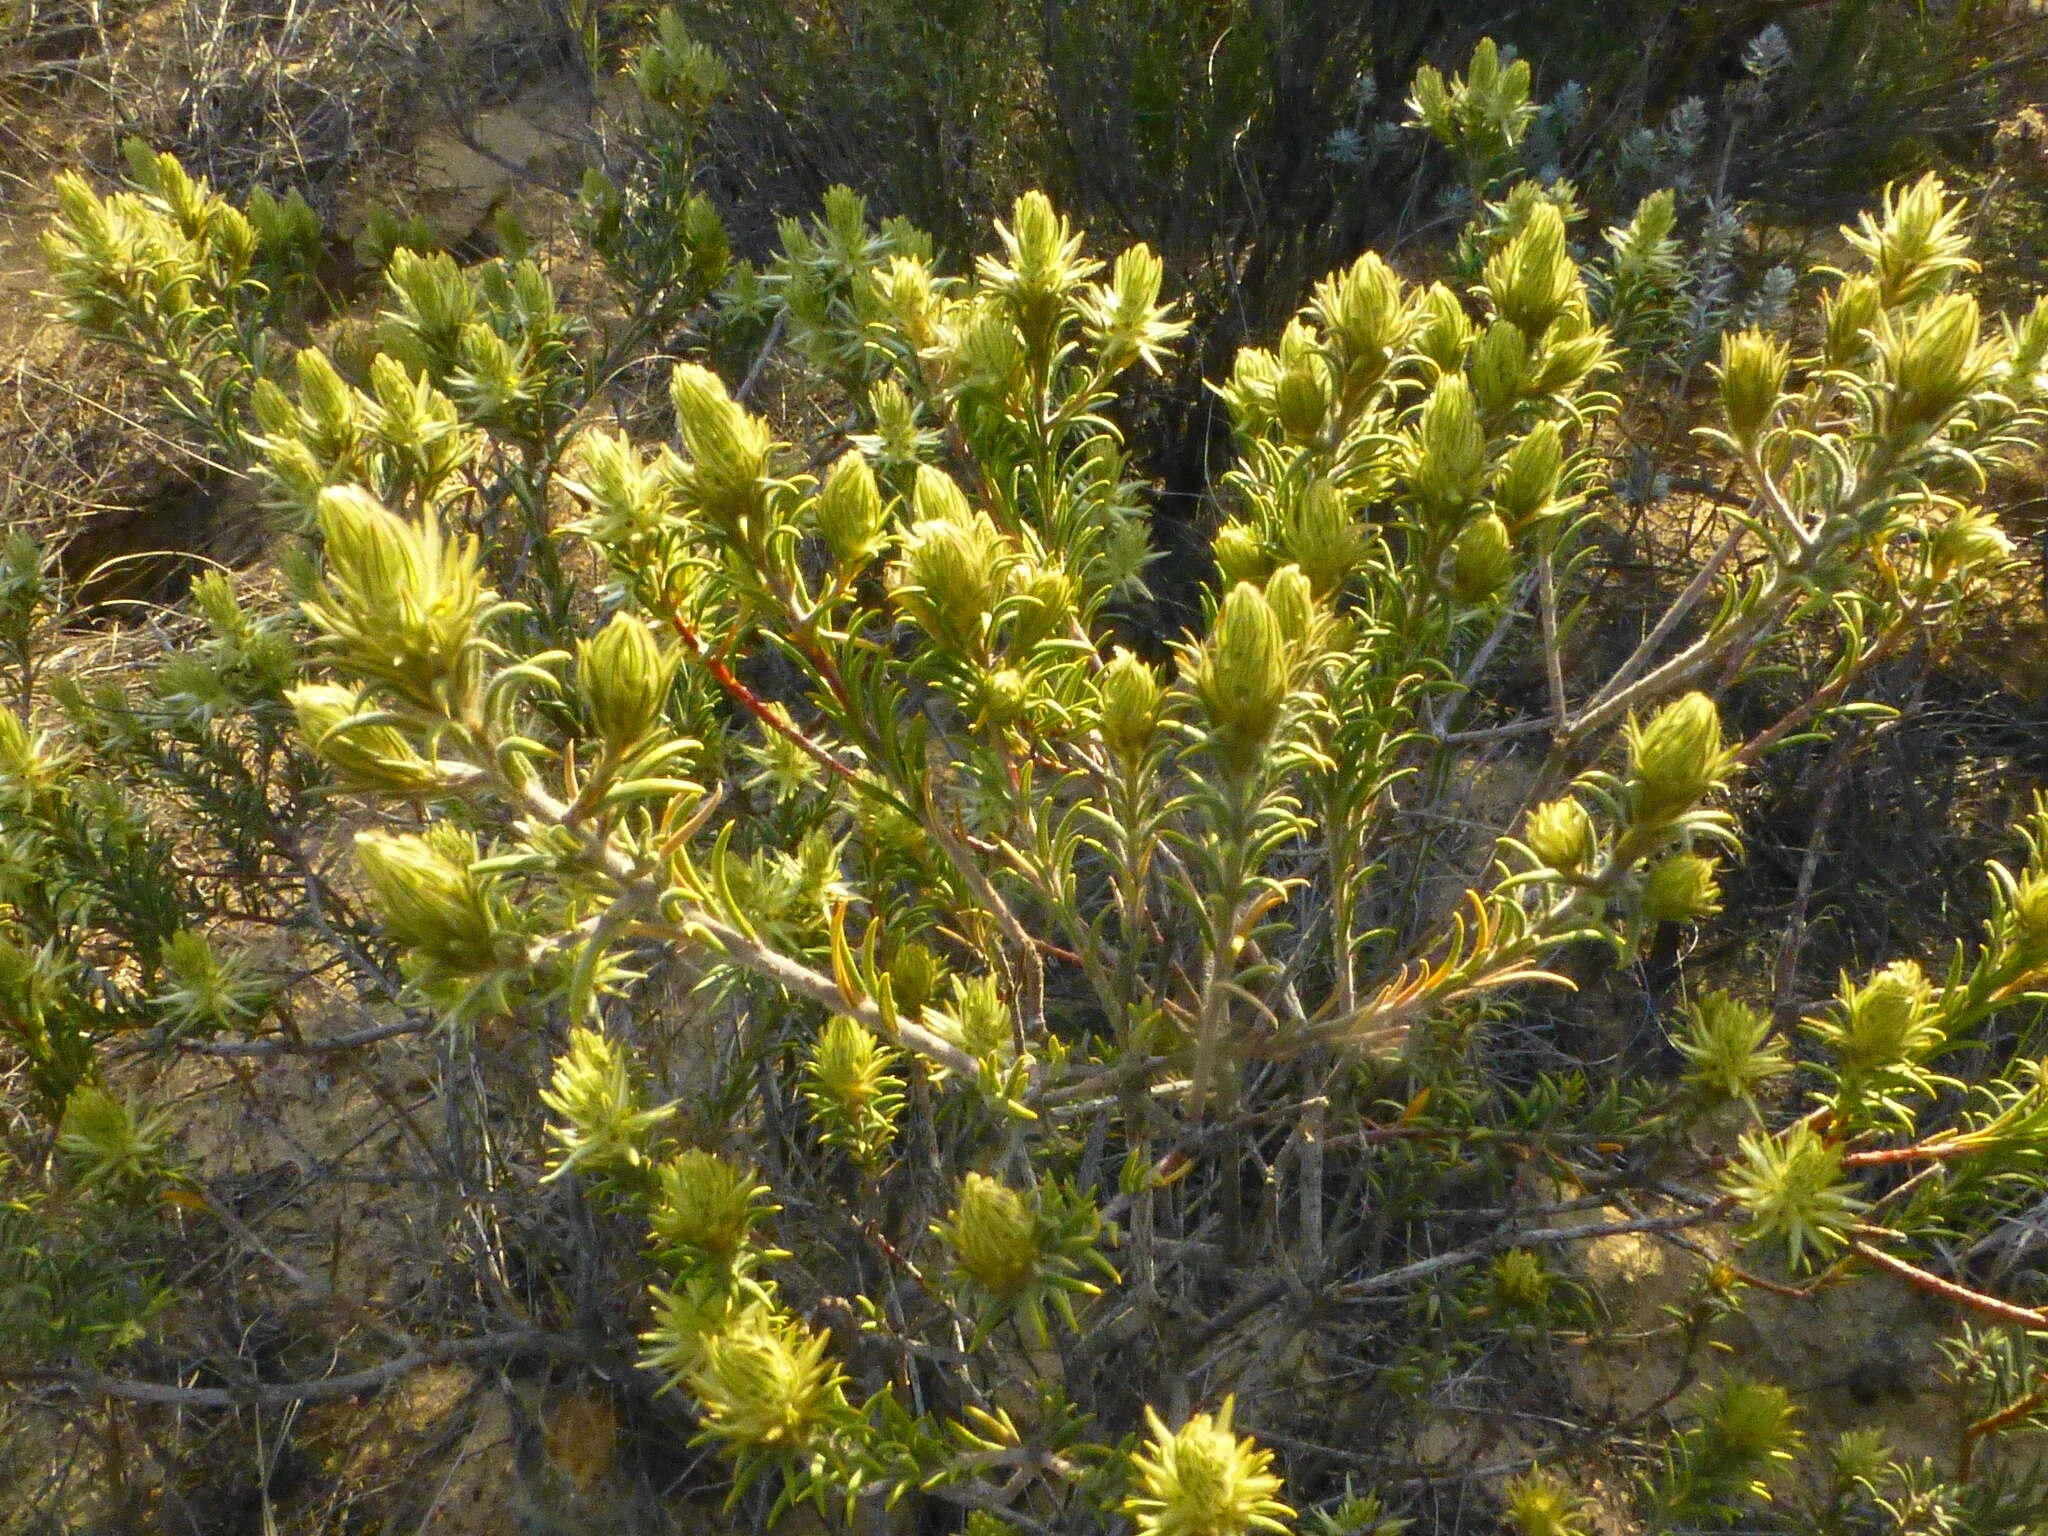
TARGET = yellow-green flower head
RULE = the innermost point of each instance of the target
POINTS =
(702, 1305)
(988, 351)
(1364, 313)
(1752, 373)
(1793, 1189)
(852, 1090)
(1561, 834)
(1886, 1022)
(953, 567)
(107, 1142)
(1934, 360)
(914, 974)
(1443, 330)
(995, 1236)
(1323, 538)
(849, 511)
(401, 601)
(1499, 369)
(1727, 1047)
(624, 674)
(1482, 560)
(1919, 244)
(2026, 350)
(729, 447)
(1520, 1281)
(1849, 315)
(904, 290)
(365, 756)
(1681, 889)
(1005, 695)
(2029, 908)
(1204, 1480)
(600, 1124)
(1525, 479)
(1130, 698)
(1970, 543)
(202, 989)
(1301, 400)
(429, 897)
(704, 1204)
(628, 497)
(1447, 457)
(1748, 1422)
(763, 1381)
(1540, 1503)
(1126, 320)
(1240, 675)
(1674, 760)
(1042, 603)
(1241, 555)
(1293, 602)
(1045, 265)
(1532, 278)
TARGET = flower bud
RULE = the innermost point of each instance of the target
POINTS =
(1674, 760)
(599, 1123)
(1204, 1480)
(402, 602)
(2029, 908)
(429, 898)
(1130, 697)
(1532, 278)
(704, 1204)
(1363, 312)
(1323, 538)
(995, 1237)
(953, 564)
(1967, 544)
(1443, 329)
(1935, 362)
(1887, 1021)
(2026, 350)
(914, 973)
(1500, 367)
(1752, 372)
(1849, 314)
(1293, 603)
(1241, 675)
(624, 675)
(1042, 606)
(850, 1085)
(1447, 457)
(729, 447)
(849, 511)
(1241, 555)
(1561, 834)
(1681, 889)
(1482, 560)
(1302, 401)
(764, 1382)
(1525, 480)
(366, 756)
(1005, 693)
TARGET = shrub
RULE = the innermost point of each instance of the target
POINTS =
(1087, 1030)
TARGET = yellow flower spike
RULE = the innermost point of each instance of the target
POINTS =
(624, 674)
(1130, 697)
(1240, 675)
(1532, 278)
(1482, 560)
(1752, 373)
(1205, 1480)
(849, 512)
(995, 1237)
(1674, 760)
(764, 1382)
(1561, 834)
(729, 446)
(704, 1204)
(1681, 889)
